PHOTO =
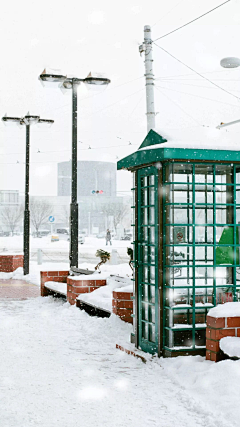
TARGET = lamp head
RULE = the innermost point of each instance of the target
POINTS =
(67, 84)
(11, 119)
(96, 79)
(56, 78)
(30, 120)
(46, 122)
(230, 62)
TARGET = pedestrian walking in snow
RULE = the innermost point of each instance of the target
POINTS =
(108, 237)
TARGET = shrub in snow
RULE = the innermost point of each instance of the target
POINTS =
(104, 255)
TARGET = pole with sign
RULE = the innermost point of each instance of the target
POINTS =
(51, 219)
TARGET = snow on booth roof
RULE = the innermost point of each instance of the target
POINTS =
(200, 138)
(203, 144)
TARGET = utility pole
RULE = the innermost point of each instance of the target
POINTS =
(146, 47)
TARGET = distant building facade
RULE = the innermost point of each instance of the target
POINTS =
(9, 197)
(92, 176)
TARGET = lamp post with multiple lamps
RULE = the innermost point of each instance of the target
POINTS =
(73, 83)
(229, 62)
(27, 120)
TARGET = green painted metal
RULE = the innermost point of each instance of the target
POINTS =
(143, 157)
(152, 138)
(146, 248)
(226, 254)
(209, 271)
(201, 246)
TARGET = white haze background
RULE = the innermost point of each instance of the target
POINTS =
(78, 37)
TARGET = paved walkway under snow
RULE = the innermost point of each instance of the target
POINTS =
(59, 367)
(17, 289)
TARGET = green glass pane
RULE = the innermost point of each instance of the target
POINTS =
(225, 254)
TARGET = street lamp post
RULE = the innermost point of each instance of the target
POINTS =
(27, 120)
(73, 83)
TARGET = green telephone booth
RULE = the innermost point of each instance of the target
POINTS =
(186, 221)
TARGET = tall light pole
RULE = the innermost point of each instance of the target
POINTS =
(27, 120)
(229, 62)
(73, 83)
(146, 47)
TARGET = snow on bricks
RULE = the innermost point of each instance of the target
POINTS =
(9, 263)
(222, 321)
(122, 304)
(52, 276)
(75, 287)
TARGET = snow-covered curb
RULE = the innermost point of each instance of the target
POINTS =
(102, 297)
(61, 288)
(230, 346)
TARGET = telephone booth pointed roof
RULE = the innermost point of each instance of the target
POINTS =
(209, 147)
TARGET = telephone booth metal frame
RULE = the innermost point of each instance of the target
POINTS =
(186, 222)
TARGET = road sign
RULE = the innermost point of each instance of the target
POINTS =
(51, 219)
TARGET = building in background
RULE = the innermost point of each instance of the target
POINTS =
(10, 215)
(9, 197)
(92, 176)
(98, 204)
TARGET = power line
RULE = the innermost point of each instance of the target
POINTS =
(180, 107)
(79, 149)
(190, 22)
(164, 16)
(100, 93)
(198, 96)
(192, 74)
(185, 84)
(196, 72)
(114, 103)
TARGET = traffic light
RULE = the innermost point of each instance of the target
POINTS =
(97, 191)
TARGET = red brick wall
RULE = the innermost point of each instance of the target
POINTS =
(122, 305)
(9, 263)
(77, 287)
(217, 328)
(52, 276)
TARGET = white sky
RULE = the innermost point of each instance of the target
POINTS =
(79, 37)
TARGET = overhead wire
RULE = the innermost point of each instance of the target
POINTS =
(199, 96)
(166, 14)
(186, 84)
(69, 150)
(196, 72)
(176, 103)
(100, 93)
(193, 20)
(192, 74)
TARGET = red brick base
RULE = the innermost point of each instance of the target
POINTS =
(9, 263)
(52, 276)
(217, 328)
(77, 287)
(122, 305)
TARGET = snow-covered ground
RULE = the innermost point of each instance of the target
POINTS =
(91, 243)
(34, 276)
(59, 367)
(59, 251)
